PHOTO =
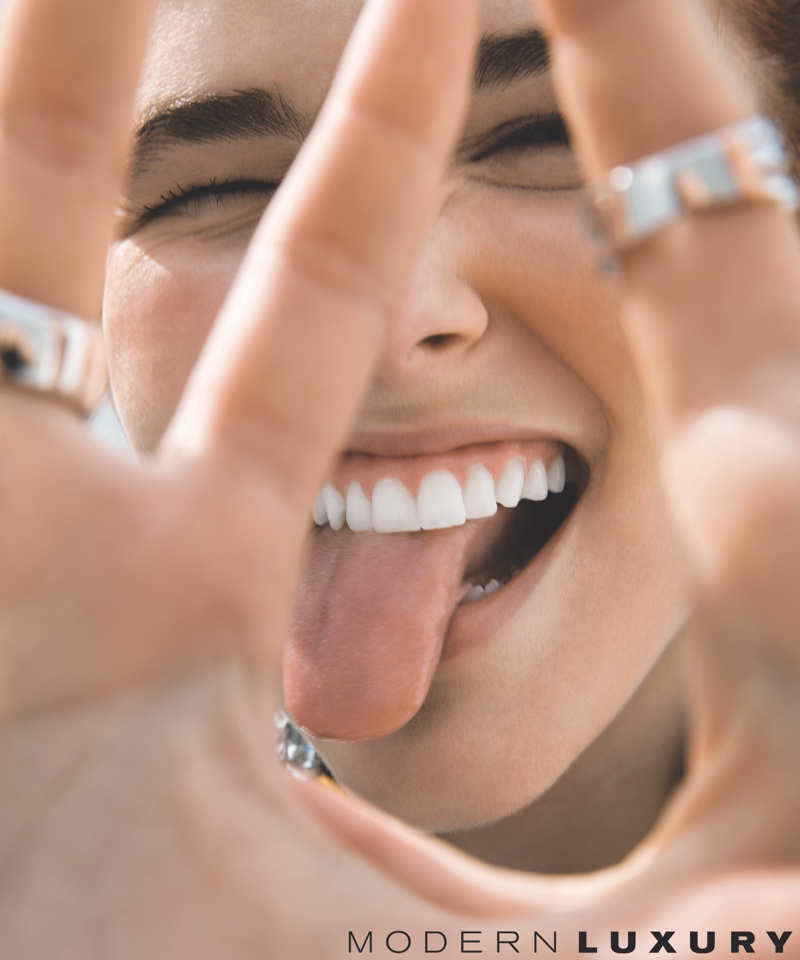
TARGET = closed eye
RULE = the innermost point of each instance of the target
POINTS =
(532, 153)
(544, 131)
(198, 198)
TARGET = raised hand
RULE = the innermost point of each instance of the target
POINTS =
(713, 311)
(143, 607)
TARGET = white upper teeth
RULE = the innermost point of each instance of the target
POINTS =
(441, 502)
(334, 506)
(557, 475)
(319, 511)
(480, 498)
(509, 488)
(393, 508)
(359, 509)
(536, 486)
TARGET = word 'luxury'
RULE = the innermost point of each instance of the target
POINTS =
(511, 942)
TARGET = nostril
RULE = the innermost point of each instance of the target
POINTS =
(438, 340)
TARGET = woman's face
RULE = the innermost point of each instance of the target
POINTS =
(507, 346)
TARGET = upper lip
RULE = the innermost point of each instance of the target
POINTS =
(433, 438)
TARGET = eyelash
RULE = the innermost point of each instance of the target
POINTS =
(180, 198)
(542, 131)
(547, 130)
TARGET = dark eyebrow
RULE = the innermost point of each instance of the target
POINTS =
(254, 113)
(217, 117)
(504, 58)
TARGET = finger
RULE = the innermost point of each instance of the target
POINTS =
(716, 296)
(284, 368)
(68, 73)
(438, 873)
(637, 76)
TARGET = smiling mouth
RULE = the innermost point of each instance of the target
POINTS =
(530, 498)
(409, 558)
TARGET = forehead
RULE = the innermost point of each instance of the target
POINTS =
(208, 45)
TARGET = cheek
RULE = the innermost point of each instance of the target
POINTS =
(159, 307)
(536, 260)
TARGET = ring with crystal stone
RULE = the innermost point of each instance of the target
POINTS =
(295, 752)
(744, 163)
(51, 353)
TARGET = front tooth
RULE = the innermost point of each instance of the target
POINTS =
(440, 503)
(509, 489)
(491, 587)
(557, 475)
(393, 508)
(318, 511)
(359, 509)
(480, 499)
(334, 506)
(536, 482)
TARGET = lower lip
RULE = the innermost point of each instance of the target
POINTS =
(478, 624)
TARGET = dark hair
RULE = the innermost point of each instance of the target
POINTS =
(773, 26)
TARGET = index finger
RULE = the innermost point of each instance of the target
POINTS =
(68, 74)
(291, 353)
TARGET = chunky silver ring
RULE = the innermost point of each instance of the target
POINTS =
(49, 352)
(746, 162)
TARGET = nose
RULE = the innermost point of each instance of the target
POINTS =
(441, 315)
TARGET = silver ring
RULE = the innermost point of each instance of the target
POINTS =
(295, 752)
(746, 162)
(50, 352)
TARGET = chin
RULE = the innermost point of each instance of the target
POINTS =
(434, 777)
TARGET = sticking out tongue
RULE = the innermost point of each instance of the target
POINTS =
(372, 614)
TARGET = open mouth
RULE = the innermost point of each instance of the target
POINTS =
(526, 501)
(401, 558)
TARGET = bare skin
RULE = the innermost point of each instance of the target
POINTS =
(133, 731)
(504, 330)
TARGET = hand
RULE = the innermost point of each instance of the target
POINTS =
(713, 312)
(143, 607)
(140, 646)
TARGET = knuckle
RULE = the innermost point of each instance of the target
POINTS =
(400, 130)
(339, 270)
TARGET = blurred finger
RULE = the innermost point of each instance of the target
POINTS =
(715, 297)
(68, 73)
(637, 76)
(284, 369)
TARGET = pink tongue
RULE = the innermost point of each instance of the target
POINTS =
(372, 614)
